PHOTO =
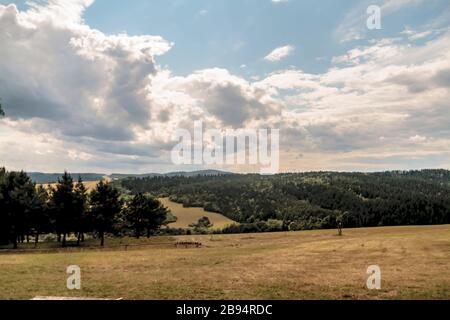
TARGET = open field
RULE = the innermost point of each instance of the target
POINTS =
(300, 265)
(187, 216)
(90, 185)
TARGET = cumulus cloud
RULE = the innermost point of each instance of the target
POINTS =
(377, 100)
(228, 99)
(79, 99)
(104, 95)
(61, 12)
(72, 80)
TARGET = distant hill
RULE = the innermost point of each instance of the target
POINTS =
(44, 178)
(117, 176)
(202, 173)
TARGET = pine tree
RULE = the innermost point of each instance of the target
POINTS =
(63, 199)
(105, 206)
(17, 192)
(145, 213)
(155, 215)
(80, 209)
(4, 226)
(39, 217)
(134, 214)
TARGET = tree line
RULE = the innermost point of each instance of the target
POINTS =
(67, 208)
(314, 200)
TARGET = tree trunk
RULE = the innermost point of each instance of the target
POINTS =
(28, 238)
(82, 237)
(102, 239)
(148, 233)
(64, 240)
(59, 237)
(79, 239)
(36, 239)
(15, 242)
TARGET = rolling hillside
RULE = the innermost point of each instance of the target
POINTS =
(313, 200)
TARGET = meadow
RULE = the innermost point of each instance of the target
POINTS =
(296, 265)
(188, 216)
(90, 185)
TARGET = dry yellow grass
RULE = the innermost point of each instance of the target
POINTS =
(300, 265)
(90, 185)
(188, 216)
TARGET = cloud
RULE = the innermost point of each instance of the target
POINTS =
(414, 35)
(96, 82)
(279, 53)
(391, 6)
(60, 12)
(353, 26)
(71, 80)
(79, 99)
(202, 13)
(417, 139)
(216, 95)
(377, 101)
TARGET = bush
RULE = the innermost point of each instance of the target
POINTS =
(173, 232)
(256, 227)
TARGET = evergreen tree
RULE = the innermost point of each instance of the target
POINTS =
(105, 206)
(17, 192)
(63, 200)
(4, 227)
(80, 210)
(134, 214)
(40, 214)
(145, 213)
(155, 216)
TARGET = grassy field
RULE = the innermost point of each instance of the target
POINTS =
(187, 216)
(90, 185)
(300, 265)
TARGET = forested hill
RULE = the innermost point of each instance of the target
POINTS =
(314, 200)
(43, 178)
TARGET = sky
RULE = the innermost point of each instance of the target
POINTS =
(102, 86)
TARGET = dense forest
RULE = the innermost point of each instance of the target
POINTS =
(303, 201)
